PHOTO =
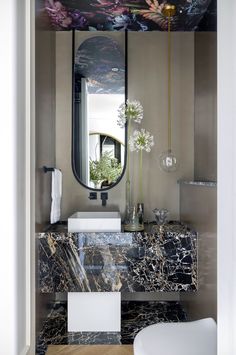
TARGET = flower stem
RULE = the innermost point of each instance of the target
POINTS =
(128, 191)
(128, 155)
(141, 176)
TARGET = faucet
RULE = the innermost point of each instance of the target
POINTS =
(92, 195)
(104, 198)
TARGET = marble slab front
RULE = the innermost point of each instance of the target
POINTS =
(118, 262)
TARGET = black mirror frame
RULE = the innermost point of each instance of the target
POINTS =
(73, 146)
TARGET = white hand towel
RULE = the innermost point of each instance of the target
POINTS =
(56, 196)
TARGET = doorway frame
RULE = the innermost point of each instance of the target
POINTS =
(226, 251)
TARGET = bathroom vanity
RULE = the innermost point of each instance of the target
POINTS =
(95, 269)
(118, 262)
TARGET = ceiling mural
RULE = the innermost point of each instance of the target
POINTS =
(133, 15)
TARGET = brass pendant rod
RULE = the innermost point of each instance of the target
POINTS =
(169, 84)
(169, 11)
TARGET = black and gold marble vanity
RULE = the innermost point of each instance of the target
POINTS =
(115, 262)
(118, 262)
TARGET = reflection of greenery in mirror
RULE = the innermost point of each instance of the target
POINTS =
(105, 171)
(105, 160)
(98, 147)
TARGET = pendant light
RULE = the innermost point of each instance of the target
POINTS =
(167, 159)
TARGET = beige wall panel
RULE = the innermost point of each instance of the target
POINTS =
(198, 208)
(147, 81)
(44, 122)
(205, 143)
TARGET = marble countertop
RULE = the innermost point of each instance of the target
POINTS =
(62, 226)
(112, 262)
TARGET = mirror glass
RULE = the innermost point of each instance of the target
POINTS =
(98, 153)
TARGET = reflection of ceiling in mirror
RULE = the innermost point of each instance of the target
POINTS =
(100, 60)
(104, 106)
(133, 15)
(103, 115)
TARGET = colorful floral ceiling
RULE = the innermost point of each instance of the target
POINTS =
(133, 15)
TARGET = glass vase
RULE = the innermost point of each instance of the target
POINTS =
(132, 223)
(140, 214)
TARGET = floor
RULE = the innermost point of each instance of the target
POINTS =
(90, 350)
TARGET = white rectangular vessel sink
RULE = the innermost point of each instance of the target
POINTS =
(94, 222)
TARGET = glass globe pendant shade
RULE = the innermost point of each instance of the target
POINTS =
(168, 161)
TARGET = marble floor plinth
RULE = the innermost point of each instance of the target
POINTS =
(135, 315)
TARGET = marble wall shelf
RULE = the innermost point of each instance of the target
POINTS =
(124, 262)
(134, 317)
(198, 183)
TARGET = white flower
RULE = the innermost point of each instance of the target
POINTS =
(131, 110)
(141, 140)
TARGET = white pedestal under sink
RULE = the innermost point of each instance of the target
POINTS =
(94, 311)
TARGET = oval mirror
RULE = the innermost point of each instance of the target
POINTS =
(99, 88)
